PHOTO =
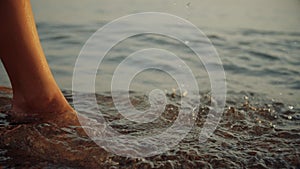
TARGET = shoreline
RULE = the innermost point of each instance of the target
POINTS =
(251, 135)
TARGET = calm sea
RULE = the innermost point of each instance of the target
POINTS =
(257, 41)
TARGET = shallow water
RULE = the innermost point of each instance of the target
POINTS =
(254, 133)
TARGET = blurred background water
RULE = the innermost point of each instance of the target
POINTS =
(257, 41)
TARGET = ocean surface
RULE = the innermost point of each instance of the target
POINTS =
(258, 43)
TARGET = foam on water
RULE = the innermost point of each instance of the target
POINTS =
(254, 133)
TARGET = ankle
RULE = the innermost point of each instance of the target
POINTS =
(41, 103)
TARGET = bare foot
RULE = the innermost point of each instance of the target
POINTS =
(39, 109)
(57, 138)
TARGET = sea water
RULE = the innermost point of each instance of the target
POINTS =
(258, 44)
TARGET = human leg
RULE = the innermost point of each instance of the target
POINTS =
(34, 88)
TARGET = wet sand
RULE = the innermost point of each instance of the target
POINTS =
(253, 133)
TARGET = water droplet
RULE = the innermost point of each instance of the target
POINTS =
(246, 97)
(289, 117)
(186, 42)
(188, 5)
(184, 93)
(291, 107)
